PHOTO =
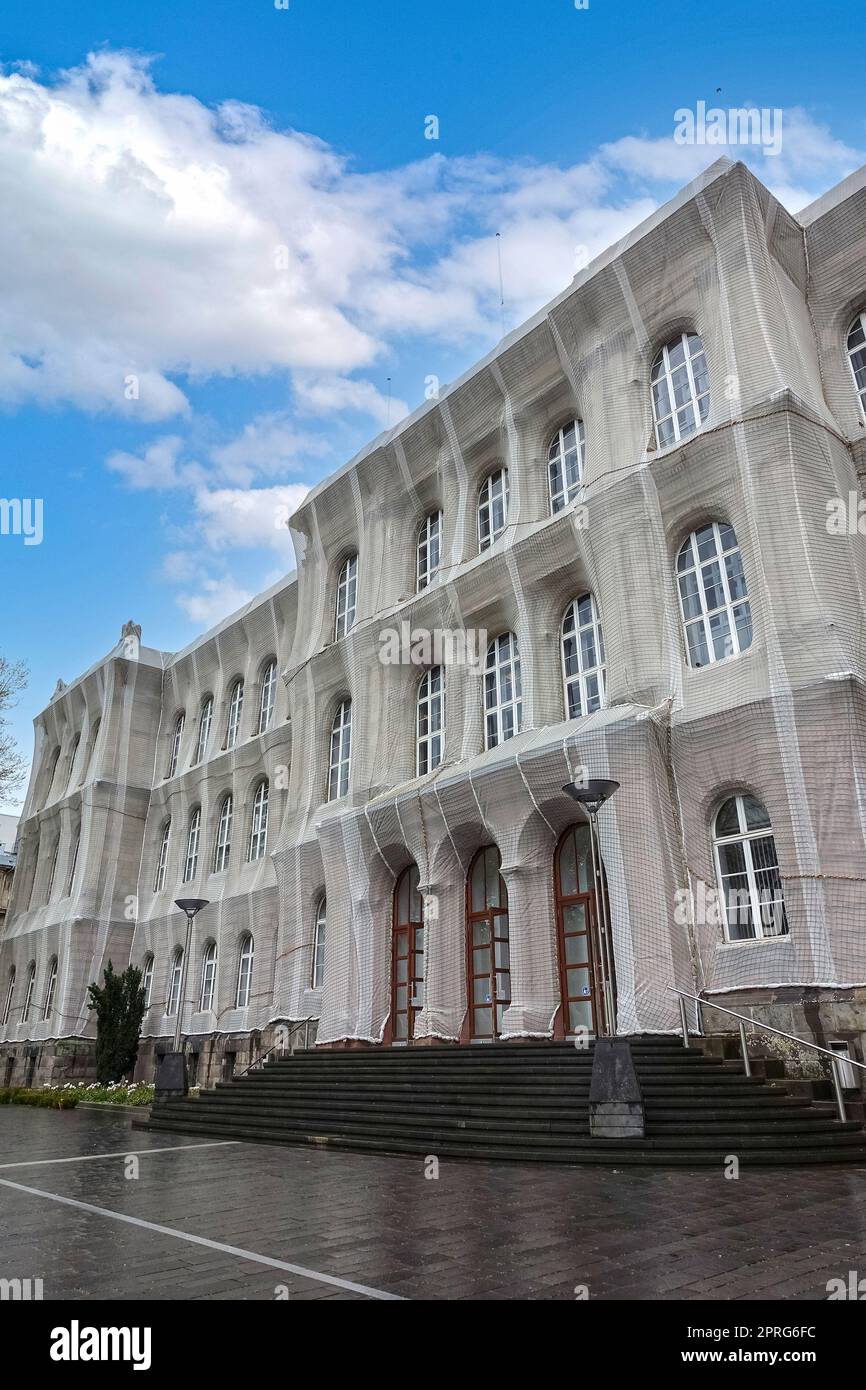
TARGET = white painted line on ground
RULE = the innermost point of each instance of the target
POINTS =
(208, 1244)
(122, 1153)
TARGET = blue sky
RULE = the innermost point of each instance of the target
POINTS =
(236, 206)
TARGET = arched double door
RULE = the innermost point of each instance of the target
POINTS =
(580, 946)
(407, 957)
(488, 952)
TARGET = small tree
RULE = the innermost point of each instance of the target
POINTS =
(13, 678)
(119, 1006)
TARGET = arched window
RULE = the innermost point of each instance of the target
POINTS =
(429, 553)
(204, 723)
(208, 977)
(489, 971)
(91, 749)
(10, 992)
(245, 972)
(680, 389)
(174, 751)
(503, 695)
(162, 858)
(714, 600)
(268, 695)
(53, 870)
(407, 958)
(48, 1008)
(236, 705)
(582, 975)
(341, 752)
(857, 356)
(73, 863)
(222, 848)
(28, 996)
(582, 658)
(748, 870)
(173, 1003)
(72, 756)
(259, 822)
(565, 464)
(55, 759)
(347, 597)
(431, 720)
(317, 972)
(147, 980)
(492, 508)
(190, 868)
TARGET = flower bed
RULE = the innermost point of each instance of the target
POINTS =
(51, 1099)
(115, 1093)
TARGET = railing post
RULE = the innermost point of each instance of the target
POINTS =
(747, 1066)
(684, 1022)
(837, 1087)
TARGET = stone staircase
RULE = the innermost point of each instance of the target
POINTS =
(523, 1102)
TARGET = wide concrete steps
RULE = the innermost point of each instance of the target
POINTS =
(513, 1101)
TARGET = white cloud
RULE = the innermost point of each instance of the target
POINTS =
(216, 599)
(158, 467)
(268, 446)
(232, 518)
(329, 395)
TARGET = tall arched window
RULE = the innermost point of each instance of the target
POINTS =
(857, 356)
(503, 694)
(208, 977)
(10, 994)
(53, 870)
(190, 868)
(222, 848)
(236, 705)
(245, 972)
(174, 750)
(73, 863)
(489, 961)
(714, 600)
(147, 980)
(52, 771)
(76, 742)
(28, 995)
(259, 822)
(680, 389)
(340, 752)
(431, 720)
(268, 695)
(429, 553)
(91, 749)
(48, 1007)
(581, 972)
(565, 464)
(162, 858)
(173, 1003)
(582, 658)
(748, 870)
(317, 971)
(407, 957)
(204, 723)
(347, 597)
(492, 508)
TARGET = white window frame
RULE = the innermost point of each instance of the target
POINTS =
(428, 552)
(10, 994)
(430, 721)
(28, 997)
(70, 878)
(578, 681)
(208, 978)
(493, 499)
(243, 992)
(172, 1003)
(48, 1006)
(235, 714)
(340, 754)
(346, 606)
(76, 744)
(696, 566)
(317, 966)
(562, 489)
(147, 980)
(193, 837)
(268, 695)
(174, 751)
(662, 360)
(162, 858)
(747, 837)
(503, 664)
(858, 323)
(259, 822)
(52, 873)
(204, 726)
(223, 844)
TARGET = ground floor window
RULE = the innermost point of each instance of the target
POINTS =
(407, 958)
(487, 946)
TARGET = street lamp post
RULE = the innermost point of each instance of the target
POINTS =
(591, 795)
(172, 1079)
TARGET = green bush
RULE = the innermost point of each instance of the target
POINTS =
(119, 1008)
(49, 1098)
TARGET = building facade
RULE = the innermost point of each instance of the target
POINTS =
(625, 545)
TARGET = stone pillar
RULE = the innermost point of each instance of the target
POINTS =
(445, 1000)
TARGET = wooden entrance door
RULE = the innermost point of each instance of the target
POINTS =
(577, 929)
(407, 956)
(488, 969)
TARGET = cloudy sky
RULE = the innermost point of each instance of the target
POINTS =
(230, 255)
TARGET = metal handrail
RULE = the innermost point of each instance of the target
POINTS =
(277, 1047)
(768, 1028)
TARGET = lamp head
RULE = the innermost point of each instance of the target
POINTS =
(591, 794)
(191, 905)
